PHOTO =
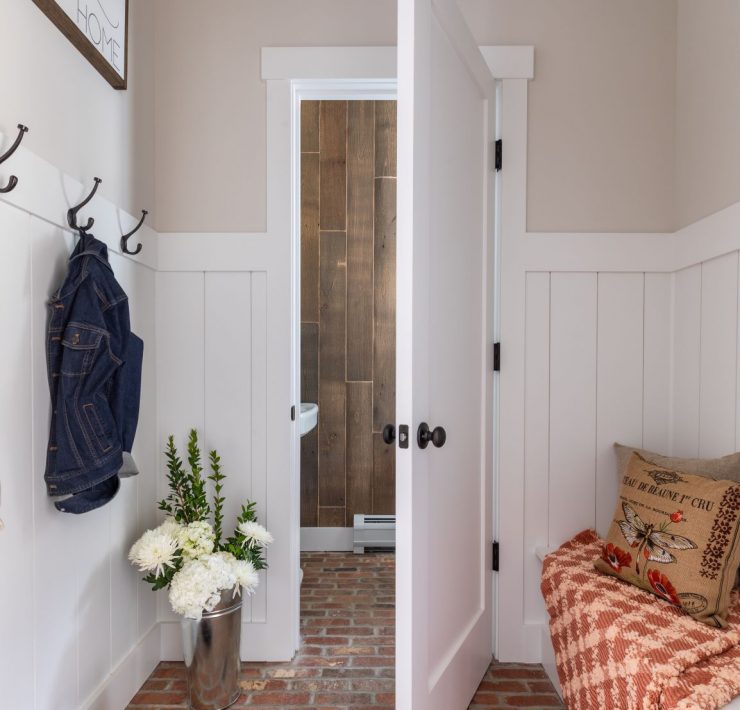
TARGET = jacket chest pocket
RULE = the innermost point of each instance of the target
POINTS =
(79, 345)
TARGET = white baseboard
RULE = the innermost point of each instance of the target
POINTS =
(125, 680)
(326, 539)
(258, 644)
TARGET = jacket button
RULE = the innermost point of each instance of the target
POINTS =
(75, 339)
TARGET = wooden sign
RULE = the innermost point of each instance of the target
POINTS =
(98, 28)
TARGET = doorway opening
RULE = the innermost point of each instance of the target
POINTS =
(348, 322)
(345, 246)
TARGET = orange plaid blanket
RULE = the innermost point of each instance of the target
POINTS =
(618, 647)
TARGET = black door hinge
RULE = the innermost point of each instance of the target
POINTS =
(497, 357)
(498, 154)
(495, 556)
(292, 413)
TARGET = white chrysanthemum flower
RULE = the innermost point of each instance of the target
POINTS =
(198, 585)
(254, 533)
(246, 576)
(155, 550)
(196, 539)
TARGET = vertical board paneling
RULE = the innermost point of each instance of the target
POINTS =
(384, 346)
(180, 368)
(56, 637)
(310, 441)
(331, 517)
(384, 477)
(359, 448)
(717, 402)
(619, 381)
(355, 159)
(309, 126)
(332, 483)
(310, 479)
(260, 456)
(687, 359)
(18, 477)
(573, 315)
(333, 138)
(228, 383)
(536, 435)
(147, 444)
(658, 363)
(385, 138)
(181, 354)
(125, 527)
(360, 173)
(94, 598)
(310, 237)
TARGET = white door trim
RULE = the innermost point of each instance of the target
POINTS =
(328, 63)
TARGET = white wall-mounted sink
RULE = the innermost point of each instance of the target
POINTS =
(308, 417)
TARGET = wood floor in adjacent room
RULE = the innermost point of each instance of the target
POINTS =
(346, 659)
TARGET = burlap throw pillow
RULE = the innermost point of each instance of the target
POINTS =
(676, 535)
(725, 468)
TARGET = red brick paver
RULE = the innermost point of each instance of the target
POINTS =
(346, 659)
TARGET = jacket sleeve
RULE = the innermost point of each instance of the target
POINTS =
(125, 389)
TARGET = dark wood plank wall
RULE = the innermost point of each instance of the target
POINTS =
(348, 301)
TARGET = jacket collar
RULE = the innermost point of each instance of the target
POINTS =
(88, 245)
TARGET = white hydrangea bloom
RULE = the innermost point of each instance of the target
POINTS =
(198, 585)
(153, 551)
(171, 527)
(196, 539)
(254, 533)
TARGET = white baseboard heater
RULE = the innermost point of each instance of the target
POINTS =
(374, 532)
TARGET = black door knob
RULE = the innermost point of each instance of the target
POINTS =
(424, 435)
(389, 433)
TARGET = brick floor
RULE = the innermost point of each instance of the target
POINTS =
(346, 659)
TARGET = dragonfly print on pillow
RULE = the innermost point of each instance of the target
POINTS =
(652, 541)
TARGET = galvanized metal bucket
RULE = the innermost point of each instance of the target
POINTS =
(211, 648)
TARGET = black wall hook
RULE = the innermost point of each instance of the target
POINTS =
(126, 237)
(13, 181)
(72, 211)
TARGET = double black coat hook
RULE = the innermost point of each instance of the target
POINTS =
(126, 237)
(13, 181)
(72, 211)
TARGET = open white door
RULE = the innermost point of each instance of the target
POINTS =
(445, 104)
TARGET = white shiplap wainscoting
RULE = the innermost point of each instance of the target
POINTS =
(605, 337)
(78, 629)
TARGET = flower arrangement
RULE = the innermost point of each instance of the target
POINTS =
(186, 553)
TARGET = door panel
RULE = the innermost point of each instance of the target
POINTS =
(444, 494)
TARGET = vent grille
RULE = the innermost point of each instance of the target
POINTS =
(374, 533)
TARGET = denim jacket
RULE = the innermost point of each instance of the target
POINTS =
(94, 367)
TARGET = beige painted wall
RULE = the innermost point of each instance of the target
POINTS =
(601, 108)
(210, 105)
(633, 110)
(77, 121)
(707, 174)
